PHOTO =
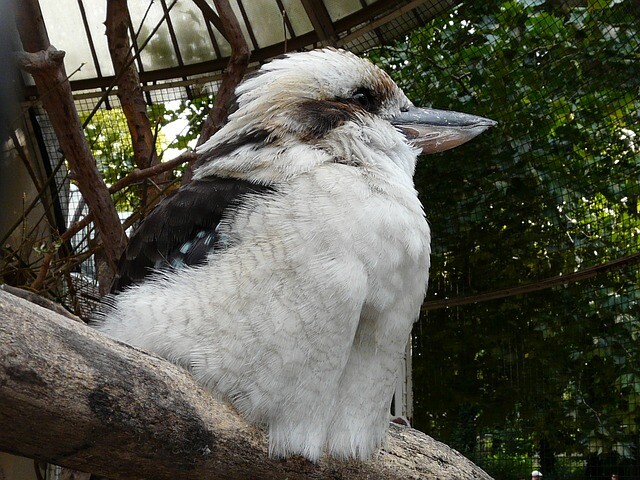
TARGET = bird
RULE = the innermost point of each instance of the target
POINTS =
(286, 276)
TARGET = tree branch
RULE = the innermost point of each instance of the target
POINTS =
(236, 68)
(130, 90)
(544, 284)
(229, 27)
(45, 64)
(73, 397)
(137, 175)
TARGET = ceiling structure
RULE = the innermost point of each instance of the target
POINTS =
(176, 40)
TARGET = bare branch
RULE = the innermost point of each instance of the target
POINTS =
(229, 26)
(544, 284)
(130, 90)
(137, 175)
(45, 64)
(236, 68)
(73, 397)
(48, 72)
(43, 270)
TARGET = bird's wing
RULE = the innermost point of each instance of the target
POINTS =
(182, 229)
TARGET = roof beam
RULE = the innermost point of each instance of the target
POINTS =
(209, 15)
(321, 21)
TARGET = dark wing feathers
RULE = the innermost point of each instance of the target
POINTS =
(182, 229)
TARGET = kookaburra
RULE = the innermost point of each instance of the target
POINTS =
(287, 275)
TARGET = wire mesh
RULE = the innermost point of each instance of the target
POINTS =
(545, 381)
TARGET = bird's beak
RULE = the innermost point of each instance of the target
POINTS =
(438, 130)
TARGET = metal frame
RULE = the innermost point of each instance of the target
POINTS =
(338, 33)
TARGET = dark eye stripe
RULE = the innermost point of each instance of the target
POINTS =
(318, 117)
(364, 98)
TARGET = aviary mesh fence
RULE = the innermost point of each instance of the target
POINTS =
(526, 355)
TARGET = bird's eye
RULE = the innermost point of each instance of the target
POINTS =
(364, 98)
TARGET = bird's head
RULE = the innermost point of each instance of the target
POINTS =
(331, 100)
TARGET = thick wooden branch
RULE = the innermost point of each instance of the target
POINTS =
(71, 396)
(55, 93)
(231, 77)
(45, 64)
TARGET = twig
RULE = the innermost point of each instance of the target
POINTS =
(48, 209)
(36, 467)
(34, 202)
(535, 286)
(36, 285)
(284, 28)
(137, 174)
(25, 161)
(132, 59)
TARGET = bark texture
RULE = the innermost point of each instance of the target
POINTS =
(130, 92)
(236, 68)
(73, 397)
(45, 64)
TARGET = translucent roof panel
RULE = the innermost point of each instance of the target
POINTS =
(297, 16)
(183, 43)
(149, 19)
(341, 8)
(193, 38)
(266, 21)
(66, 32)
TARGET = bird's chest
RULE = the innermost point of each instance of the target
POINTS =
(395, 252)
(377, 224)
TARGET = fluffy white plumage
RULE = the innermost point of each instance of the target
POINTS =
(300, 313)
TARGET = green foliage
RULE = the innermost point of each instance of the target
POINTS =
(107, 134)
(110, 142)
(193, 112)
(553, 189)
